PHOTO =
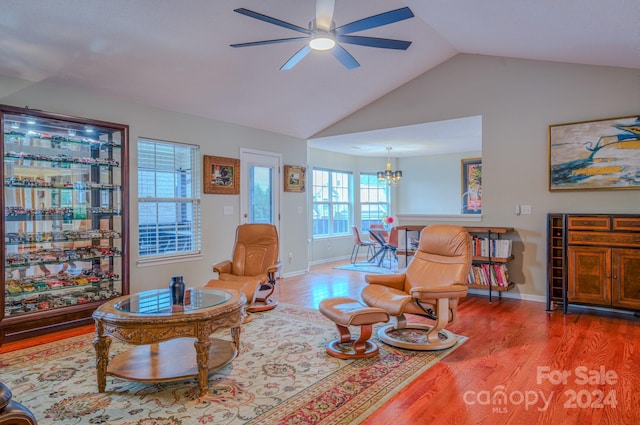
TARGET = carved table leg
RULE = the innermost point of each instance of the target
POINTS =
(101, 344)
(235, 335)
(203, 345)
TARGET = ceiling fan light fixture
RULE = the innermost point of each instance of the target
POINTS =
(322, 33)
(322, 40)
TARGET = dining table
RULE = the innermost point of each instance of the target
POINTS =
(378, 237)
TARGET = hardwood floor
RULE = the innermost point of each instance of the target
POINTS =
(510, 370)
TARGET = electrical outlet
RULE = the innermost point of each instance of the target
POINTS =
(525, 209)
(290, 257)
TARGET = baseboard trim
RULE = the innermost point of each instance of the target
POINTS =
(507, 294)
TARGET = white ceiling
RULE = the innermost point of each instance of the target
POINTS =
(175, 54)
(432, 138)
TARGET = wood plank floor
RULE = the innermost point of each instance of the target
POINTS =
(511, 369)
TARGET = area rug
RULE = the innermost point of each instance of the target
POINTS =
(282, 375)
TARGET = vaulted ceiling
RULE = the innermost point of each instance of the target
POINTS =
(175, 55)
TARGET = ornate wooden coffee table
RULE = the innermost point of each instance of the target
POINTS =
(171, 343)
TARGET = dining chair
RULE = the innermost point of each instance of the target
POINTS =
(359, 243)
(389, 249)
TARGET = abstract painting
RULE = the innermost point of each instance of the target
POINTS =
(591, 155)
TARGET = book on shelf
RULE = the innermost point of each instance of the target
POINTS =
(498, 248)
(482, 274)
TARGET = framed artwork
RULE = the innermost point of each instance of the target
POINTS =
(221, 175)
(294, 178)
(591, 155)
(472, 186)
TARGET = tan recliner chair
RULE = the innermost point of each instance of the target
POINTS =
(253, 266)
(431, 287)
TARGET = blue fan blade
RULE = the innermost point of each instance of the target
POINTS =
(293, 60)
(260, 43)
(345, 57)
(376, 21)
(271, 20)
(384, 43)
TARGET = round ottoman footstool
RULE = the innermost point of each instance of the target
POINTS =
(345, 312)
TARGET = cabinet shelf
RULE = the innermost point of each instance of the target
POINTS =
(13, 137)
(18, 265)
(21, 184)
(16, 157)
(76, 215)
(65, 223)
(23, 292)
(68, 236)
(493, 259)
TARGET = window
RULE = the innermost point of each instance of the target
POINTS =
(332, 199)
(168, 199)
(374, 200)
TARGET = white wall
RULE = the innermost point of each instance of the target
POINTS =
(518, 100)
(431, 184)
(214, 138)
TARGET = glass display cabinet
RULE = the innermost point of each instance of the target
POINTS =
(65, 225)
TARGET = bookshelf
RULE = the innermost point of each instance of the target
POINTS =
(491, 256)
(489, 269)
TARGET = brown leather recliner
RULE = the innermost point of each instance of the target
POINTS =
(431, 287)
(12, 412)
(253, 266)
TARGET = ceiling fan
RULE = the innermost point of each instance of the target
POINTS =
(323, 35)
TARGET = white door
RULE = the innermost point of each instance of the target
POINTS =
(260, 187)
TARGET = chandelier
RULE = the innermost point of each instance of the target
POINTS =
(391, 177)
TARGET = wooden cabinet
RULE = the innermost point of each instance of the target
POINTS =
(588, 270)
(594, 260)
(65, 226)
(625, 279)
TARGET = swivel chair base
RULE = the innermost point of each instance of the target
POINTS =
(264, 303)
(435, 341)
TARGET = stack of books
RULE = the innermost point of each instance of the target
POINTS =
(498, 248)
(495, 274)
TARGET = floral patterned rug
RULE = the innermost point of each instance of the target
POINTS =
(282, 375)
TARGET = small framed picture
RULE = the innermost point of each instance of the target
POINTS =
(472, 186)
(294, 178)
(221, 175)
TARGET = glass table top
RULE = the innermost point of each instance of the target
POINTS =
(158, 301)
